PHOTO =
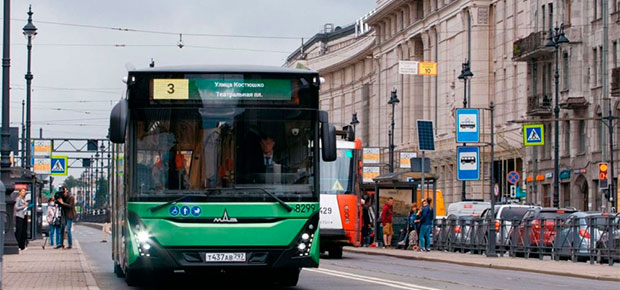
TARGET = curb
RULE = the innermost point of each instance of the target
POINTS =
(91, 283)
(481, 265)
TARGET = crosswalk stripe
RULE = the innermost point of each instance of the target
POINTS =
(379, 281)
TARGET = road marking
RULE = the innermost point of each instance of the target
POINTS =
(384, 282)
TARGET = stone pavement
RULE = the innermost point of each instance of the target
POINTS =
(562, 268)
(48, 269)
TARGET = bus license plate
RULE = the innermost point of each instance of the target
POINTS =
(224, 257)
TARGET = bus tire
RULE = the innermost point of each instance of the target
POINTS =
(289, 277)
(118, 270)
(335, 252)
(133, 277)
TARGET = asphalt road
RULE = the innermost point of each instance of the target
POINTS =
(354, 271)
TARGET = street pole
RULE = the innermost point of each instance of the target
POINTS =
(10, 243)
(393, 101)
(29, 31)
(555, 39)
(491, 251)
(465, 75)
(610, 126)
(606, 96)
(23, 152)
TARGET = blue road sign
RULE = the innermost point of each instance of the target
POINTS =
(534, 135)
(185, 210)
(467, 126)
(196, 211)
(59, 165)
(426, 137)
(174, 210)
(468, 167)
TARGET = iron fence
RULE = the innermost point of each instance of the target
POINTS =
(592, 238)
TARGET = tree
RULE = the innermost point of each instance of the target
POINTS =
(70, 182)
(101, 195)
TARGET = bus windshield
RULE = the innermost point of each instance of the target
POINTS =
(337, 177)
(183, 150)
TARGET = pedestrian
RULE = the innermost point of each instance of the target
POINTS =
(106, 229)
(387, 216)
(426, 223)
(53, 219)
(21, 224)
(67, 204)
(414, 224)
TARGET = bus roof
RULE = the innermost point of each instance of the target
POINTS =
(224, 69)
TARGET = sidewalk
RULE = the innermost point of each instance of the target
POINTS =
(47, 269)
(561, 268)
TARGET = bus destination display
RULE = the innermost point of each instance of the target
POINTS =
(222, 90)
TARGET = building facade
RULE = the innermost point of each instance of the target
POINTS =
(360, 65)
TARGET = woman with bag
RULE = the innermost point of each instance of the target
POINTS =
(53, 219)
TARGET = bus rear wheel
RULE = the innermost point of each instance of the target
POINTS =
(288, 277)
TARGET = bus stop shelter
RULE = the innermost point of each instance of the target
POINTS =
(403, 188)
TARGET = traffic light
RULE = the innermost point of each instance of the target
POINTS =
(603, 178)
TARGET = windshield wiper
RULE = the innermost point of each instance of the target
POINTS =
(281, 202)
(158, 207)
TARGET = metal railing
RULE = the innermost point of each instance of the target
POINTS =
(589, 238)
(93, 216)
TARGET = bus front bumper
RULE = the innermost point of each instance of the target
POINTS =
(195, 259)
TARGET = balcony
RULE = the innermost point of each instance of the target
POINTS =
(532, 46)
(539, 105)
(615, 82)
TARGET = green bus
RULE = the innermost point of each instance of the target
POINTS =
(218, 171)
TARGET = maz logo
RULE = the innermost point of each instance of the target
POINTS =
(225, 219)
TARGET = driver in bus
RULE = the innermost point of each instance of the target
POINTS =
(263, 166)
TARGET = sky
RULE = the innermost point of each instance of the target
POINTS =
(78, 67)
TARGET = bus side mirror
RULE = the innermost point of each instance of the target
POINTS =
(328, 140)
(119, 118)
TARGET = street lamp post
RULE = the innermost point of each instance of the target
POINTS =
(29, 31)
(8, 242)
(556, 38)
(465, 75)
(393, 101)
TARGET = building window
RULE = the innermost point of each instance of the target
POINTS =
(548, 134)
(566, 194)
(567, 138)
(534, 78)
(582, 136)
(565, 70)
(567, 11)
(600, 65)
(595, 68)
(549, 78)
(595, 9)
(544, 17)
(615, 53)
(550, 15)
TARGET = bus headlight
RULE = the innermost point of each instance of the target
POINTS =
(142, 236)
(305, 236)
(302, 247)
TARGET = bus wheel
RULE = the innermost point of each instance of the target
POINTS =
(335, 252)
(288, 277)
(118, 270)
(133, 277)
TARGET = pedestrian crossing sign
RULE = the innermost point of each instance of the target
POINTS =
(534, 135)
(59, 165)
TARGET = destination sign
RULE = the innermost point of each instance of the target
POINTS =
(224, 90)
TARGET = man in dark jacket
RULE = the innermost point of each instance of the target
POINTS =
(67, 203)
(426, 224)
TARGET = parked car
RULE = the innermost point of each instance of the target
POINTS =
(580, 234)
(606, 248)
(464, 208)
(505, 216)
(45, 227)
(541, 221)
(465, 229)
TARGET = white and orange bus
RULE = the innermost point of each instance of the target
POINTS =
(341, 208)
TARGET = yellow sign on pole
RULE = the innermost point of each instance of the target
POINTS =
(428, 69)
(170, 89)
